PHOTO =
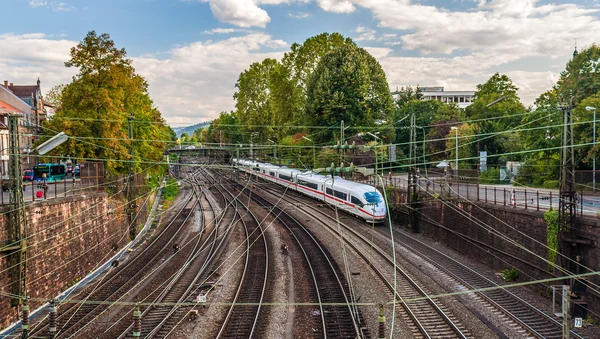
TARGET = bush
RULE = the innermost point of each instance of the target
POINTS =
(170, 190)
(491, 176)
(551, 184)
(510, 274)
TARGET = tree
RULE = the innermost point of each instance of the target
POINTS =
(581, 78)
(301, 61)
(496, 109)
(408, 94)
(98, 105)
(348, 84)
(465, 139)
(253, 98)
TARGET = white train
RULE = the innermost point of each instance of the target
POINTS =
(361, 200)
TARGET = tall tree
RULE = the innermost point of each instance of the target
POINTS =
(253, 99)
(496, 109)
(581, 78)
(299, 64)
(348, 84)
(103, 98)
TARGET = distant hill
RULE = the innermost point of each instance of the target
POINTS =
(190, 129)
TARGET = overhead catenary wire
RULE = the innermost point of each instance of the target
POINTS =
(489, 228)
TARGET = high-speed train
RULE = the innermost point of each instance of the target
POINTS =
(361, 200)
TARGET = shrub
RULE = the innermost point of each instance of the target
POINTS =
(491, 176)
(551, 184)
(170, 190)
(510, 274)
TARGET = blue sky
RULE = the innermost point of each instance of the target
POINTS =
(191, 51)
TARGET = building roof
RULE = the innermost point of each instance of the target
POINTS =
(23, 91)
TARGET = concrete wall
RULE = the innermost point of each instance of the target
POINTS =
(68, 238)
(503, 237)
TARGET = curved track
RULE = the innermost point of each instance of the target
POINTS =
(532, 319)
(75, 316)
(243, 315)
(339, 319)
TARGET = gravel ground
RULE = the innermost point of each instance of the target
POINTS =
(481, 320)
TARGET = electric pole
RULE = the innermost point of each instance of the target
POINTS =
(16, 250)
(412, 176)
(567, 203)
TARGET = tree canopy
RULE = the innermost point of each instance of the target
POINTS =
(97, 106)
(348, 84)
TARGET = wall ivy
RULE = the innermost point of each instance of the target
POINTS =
(551, 218)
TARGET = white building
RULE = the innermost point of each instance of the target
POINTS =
(461, 98)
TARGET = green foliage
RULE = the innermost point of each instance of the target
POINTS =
(348, 84)
(253, 98)
(300, 63)
(408, 94)
(491, 176)
(170, 190)
(510, 274)
(581, 78)
(509, 108)
(551, 184)
(464, 134)
(552, 228)
(538, 169)
(99, 103)
(224, 129)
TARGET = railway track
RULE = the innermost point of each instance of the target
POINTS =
(429, 317)
(200, 251)
(338, 317)
(534, 320)
(244, 314)
(117, 282)
(530, 318)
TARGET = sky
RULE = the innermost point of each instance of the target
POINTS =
(191, 52)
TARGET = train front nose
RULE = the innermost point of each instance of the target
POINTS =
(379, 212)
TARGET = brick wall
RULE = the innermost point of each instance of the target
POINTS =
(68, 238)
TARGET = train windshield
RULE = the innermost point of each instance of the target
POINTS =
(373, 198)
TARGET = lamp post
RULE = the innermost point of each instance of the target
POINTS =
(313, 147)
(456, 142)
(590, 108)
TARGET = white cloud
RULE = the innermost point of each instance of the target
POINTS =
(366, 33)
(299, 15)
(193, 84)
(337, 6)
(243, 13)
(378, 52)
(220, 31)
(197, 81)
(57, 6)
(38, 3)
(494, 34)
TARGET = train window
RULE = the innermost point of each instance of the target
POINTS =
(272, 173)
(340, 195)
(329, 191)
(285, 177)
(308, 184)
(373, 198)
(356, 201)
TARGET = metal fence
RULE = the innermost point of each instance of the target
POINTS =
(588, 202)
